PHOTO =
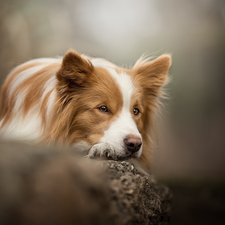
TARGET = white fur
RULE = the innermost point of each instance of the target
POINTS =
(104, 150)
(98, 62)
(43, 60)
(28, 129)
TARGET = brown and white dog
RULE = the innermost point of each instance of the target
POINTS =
(102, 110)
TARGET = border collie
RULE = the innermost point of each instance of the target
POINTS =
(89, 103)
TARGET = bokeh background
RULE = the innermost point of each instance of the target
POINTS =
(190, 153)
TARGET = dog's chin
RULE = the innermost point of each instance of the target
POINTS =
(126, 157)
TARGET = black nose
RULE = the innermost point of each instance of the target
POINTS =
(133, 143)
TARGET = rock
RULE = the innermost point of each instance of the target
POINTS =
(40, 185)
(138, 197)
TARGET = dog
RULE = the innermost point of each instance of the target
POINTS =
(100, 109)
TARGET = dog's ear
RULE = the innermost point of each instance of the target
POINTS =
(153, 74)
(74, 69)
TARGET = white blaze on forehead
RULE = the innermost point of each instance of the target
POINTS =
(126, 86)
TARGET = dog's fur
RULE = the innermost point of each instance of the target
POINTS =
(85, 102)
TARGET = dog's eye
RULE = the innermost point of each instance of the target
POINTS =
(103, 108)
(136, 111)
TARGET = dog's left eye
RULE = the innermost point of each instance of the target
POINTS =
(136, 111)
(103, 108)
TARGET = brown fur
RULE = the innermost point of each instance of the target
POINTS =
(80, 90)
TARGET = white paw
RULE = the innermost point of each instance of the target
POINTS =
(103, 151)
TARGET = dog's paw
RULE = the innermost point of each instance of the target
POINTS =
(103, 151)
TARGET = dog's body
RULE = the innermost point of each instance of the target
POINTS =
(89, 103)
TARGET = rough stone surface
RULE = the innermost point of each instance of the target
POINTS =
(138, 197)
(40, 185)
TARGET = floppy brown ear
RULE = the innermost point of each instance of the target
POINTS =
(74, 69)
(153, 74)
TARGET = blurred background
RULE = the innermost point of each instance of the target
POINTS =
(190, 153)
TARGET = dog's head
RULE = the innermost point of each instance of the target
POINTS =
(100, 102)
